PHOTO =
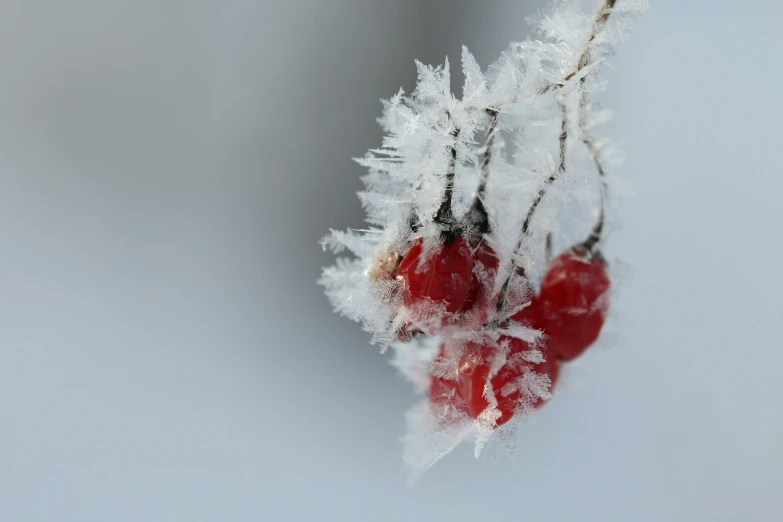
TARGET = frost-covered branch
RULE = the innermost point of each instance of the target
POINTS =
(584, 58)
(583, 61)
(516, 268)
(456, 225)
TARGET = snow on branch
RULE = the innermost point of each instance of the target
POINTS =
(492, 167)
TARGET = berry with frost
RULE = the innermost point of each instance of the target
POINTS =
(574, 299)
(442, 287)
(508, 375)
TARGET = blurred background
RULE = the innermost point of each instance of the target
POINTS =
(166, 170)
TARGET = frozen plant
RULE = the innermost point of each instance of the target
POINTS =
(464, 199)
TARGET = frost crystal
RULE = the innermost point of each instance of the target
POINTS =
(508, 166)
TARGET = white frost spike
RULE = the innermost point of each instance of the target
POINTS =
(475, 83)
(426, 440)
(528, 125)
(434, 84)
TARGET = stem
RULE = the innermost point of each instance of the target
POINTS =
(594, 238)
(589, 244)
(478, 213)
(515, 267)
(444, 216)
(413, 221)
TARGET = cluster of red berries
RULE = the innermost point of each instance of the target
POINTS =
(450, 287)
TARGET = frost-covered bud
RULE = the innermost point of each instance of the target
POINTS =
(384, 266)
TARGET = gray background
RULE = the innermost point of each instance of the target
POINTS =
(166, 169)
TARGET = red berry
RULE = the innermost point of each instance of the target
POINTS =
(574, 302)
(530, 315)
(444, 279)
(479, 296)
(474, 368)
(446, 392)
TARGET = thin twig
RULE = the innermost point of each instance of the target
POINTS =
(589, 244)
(444, 216)
(551, 179)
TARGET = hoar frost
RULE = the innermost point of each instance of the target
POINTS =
(515, 163)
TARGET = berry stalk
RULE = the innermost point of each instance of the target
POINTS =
(444, 216)
(589, 244)
(477, 215)
(515, 267)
